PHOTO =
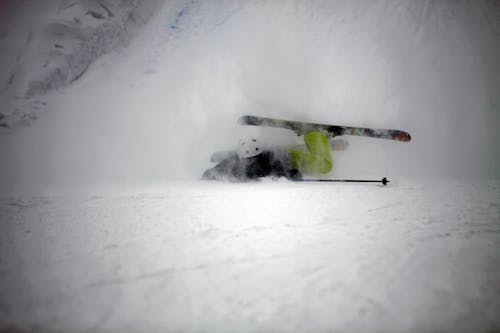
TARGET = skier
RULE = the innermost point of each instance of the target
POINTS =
(253, 162)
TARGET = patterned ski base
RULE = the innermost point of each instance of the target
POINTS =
(330, 131)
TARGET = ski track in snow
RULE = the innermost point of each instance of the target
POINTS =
(270, 256)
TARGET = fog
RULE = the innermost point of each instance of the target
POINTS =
(153, 111)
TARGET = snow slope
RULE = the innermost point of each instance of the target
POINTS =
(155, 110)
(264, 257)
(47, 45)
(105, 227)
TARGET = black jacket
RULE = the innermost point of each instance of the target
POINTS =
(268, 163)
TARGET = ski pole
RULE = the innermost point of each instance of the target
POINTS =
(383, 181)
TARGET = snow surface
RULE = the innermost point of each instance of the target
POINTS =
(105, 227)
(261, 257)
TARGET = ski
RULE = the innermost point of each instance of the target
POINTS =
(383, 181)
(331, 131)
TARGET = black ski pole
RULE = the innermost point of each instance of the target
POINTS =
(383, 181)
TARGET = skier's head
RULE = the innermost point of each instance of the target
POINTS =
(249, 147)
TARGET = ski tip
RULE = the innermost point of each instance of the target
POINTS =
(241, 120)
(385, 181)
(403, 136)
(247, 120)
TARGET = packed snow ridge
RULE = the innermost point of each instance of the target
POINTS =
(46, 45)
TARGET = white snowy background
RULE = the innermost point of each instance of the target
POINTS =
(110, 111)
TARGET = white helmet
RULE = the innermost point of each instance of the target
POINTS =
(248, 148)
